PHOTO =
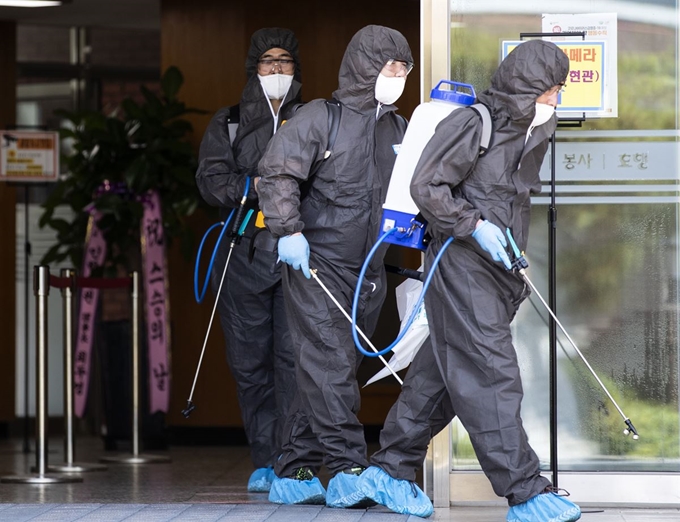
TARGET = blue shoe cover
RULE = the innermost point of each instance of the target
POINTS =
(343, 492)
(261, 480)
(401, 496)
(545, 507)
(293, 491)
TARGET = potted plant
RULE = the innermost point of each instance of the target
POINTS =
(138, 147)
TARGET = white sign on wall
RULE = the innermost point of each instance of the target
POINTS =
(599, 27)
(29, 156)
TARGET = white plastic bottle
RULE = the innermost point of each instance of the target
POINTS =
(399, 209)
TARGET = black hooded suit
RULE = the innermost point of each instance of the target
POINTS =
(340, 217)
(470, 369)
(259, 347)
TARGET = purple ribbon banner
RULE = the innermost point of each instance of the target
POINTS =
(95, 253)
(156, 299)
(157, 306)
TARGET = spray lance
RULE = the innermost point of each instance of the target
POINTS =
(355, 328)
(521, 264)
(237, 230)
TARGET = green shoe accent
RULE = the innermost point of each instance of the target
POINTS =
(302, 474)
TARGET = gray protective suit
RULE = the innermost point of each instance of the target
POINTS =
(259, 347)
(470, 367)
(340, 217)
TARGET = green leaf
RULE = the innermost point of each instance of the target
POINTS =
(60, 225)
(52, 255)
(171, 82)
(132, 109)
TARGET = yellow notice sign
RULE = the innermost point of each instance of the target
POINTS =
(584, 88)
(28, 156)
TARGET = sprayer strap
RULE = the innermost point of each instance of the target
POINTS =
(487, 126)
(334, 110)
(232, 122)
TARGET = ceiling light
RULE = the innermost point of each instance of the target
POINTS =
(29, 3)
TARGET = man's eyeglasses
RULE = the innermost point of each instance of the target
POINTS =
(559, 88)
(268, 65)
(398, 66)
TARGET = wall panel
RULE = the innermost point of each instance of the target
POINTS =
(7, 225)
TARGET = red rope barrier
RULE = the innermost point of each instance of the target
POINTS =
(91, 282)
(59, 282)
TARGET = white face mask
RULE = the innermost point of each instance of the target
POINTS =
(388, 89)
(276, 85)
(543, 114)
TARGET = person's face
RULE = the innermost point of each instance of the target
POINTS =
(275, 60)
(549, 97)
(396, 68)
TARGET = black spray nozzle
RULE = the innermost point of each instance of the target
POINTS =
(406, 272)
(240, 225)
(238, 219)
(519, 262)
(190, 407)
(631, 429)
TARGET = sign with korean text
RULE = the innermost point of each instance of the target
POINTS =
(95, 254)
(584, 88)
(157, 306)
(614, 161)
(28, 156)
(598, 28)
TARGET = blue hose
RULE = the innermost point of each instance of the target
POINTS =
(414, 313)
(225, 227)
(199, 297)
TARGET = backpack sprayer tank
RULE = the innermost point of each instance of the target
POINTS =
(399, 209)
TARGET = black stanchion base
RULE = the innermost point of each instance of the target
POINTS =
(41, 479)
(76, 467)
(136, 459)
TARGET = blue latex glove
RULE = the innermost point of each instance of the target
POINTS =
(491, 239)
(294, 250)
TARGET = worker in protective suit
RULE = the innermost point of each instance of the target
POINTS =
(251, 309)
(470, 369)
(328, 221)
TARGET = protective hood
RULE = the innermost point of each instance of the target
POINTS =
(268, 38)
(527, 72)
(366, 54)
(255, 125)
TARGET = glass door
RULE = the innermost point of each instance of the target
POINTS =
(617, 264)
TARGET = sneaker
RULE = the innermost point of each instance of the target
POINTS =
(545, 507)
(300, 487)
(401, 496)
(343, 491)
(261, 480)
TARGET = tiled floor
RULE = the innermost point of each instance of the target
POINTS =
(205, 483)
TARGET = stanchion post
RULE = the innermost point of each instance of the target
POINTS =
(67, 308)
(136, 458)
(68, 305)
(41, 290)
(135, 363)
